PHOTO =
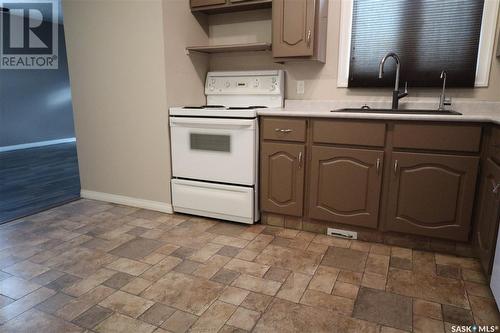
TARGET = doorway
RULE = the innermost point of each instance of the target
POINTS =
(38, 155)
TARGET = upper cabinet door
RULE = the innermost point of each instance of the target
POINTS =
(202, 3)
(432, 194)
(345, 185)
(293, 28)
(282, 178)
(489, 212)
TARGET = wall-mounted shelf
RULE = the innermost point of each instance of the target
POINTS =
(231, 6)
(229, 48)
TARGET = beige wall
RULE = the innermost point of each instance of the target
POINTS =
(128, 64)
(321, 79)
(117, 74)
(240, 27)
(185, 74)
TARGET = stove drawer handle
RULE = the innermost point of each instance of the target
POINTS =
(283, 130)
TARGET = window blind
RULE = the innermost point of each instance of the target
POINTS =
(428, 35)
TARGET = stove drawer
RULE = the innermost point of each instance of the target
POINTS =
(226, 202)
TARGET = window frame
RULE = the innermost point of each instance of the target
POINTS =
(485, 52)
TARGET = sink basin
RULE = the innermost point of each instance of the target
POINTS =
(399, 111)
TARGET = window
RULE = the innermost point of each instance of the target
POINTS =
(428, 36)
(210, 142)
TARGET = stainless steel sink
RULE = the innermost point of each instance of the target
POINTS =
(399, 111)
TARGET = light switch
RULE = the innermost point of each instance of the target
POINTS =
(300, 87)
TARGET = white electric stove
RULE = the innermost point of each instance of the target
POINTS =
(215, 147)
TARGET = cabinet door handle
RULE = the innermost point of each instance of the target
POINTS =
(282, 130)
(396, 167)
(378, 166)
(300, 160)
(308, 38)
(496, 187)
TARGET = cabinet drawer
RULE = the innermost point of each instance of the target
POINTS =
(349, 132)
(284, 129)
(465, 138)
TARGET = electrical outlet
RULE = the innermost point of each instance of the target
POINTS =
(300, 87)
(342, 233)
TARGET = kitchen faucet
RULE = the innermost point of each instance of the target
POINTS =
(396, 95)
(443, 100)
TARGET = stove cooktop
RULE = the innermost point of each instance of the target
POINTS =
(217, 111)
(211, 107)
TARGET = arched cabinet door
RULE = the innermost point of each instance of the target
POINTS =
(432, 194)
(282, 178)
(293, 28)
(345, 185)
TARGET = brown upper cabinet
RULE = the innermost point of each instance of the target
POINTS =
(222, 6)
(432, 194)
(282, 178)
(489, 213)
(345, 185)
(299, 29)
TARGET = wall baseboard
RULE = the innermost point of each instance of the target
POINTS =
(128, 201)
(36, 144)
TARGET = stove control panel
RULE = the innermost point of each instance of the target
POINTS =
(245, 83)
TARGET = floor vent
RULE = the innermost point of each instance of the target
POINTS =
(342, 233)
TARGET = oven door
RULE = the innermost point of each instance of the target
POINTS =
(214, 149)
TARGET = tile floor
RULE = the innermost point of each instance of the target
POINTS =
(95, 267)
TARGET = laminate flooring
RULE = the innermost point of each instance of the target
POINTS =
(35, 179)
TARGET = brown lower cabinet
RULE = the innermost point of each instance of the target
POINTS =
(345, 185)
(282, 178)
(489, 214)
(380, 175)
(432, 194)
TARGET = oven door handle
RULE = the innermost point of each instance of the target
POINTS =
(213, 123)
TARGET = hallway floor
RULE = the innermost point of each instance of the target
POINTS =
(35, 179)
(98, 267)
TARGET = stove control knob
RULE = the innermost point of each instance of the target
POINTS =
(228, 84)
(272, 87)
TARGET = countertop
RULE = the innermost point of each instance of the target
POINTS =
(472, 111)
